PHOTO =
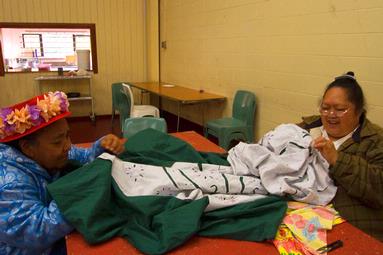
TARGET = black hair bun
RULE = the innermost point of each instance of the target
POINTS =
(348, 75)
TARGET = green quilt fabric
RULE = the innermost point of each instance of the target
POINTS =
(92, 202)
(152, 147)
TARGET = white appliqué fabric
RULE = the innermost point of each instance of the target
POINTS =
(282, 163)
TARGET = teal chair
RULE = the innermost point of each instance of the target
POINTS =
(240, 126)
(134, 125)
(120, 103)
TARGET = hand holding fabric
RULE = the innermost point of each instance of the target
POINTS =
(113, 144)
(326, 148)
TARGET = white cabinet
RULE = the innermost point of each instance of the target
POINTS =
(87, 97)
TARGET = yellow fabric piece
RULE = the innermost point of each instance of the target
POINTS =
(286, 243)
(304, 228)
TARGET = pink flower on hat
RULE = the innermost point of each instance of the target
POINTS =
(6, 129)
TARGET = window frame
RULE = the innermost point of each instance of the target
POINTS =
(90, 26)
(40, 41)
(2, 69)
(75, 40)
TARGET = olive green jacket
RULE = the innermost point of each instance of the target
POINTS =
(358, 173)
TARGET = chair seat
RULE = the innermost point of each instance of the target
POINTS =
(135, 125)
(227, 122)
(144, 110)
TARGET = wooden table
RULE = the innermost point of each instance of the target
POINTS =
(181, 95)
(354, 240)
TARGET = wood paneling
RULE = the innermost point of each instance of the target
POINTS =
(120, 43)
(2, 70)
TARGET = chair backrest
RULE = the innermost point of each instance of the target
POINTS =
(244, 106)
(134, 125)
(120, 101)
(129, 93)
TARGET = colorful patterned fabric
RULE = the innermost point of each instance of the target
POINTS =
(287, 244)
(30, 221)
(304, 227)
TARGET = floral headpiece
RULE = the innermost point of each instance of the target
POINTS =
(27, 117)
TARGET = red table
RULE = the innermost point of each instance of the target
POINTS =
(354, 240)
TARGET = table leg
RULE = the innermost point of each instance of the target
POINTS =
(160, 105)
(92, 114)
(178, 115)
(143, 94)
(203, 113)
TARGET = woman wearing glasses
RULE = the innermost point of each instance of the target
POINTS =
(353, 146)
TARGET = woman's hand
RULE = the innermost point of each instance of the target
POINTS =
(326, 148)
(113, 144)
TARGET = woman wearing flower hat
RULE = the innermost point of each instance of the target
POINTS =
(35, 149)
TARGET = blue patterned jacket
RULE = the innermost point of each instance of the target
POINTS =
(30, 222)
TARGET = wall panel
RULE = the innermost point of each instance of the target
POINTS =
(286, 52)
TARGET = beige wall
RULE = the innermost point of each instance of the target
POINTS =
(152, 40)
(283, 51)
(121, 45)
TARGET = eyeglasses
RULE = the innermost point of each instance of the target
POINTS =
(328, 111)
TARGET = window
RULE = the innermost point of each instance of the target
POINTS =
(33, 41)
(81, 42)
(31, 47)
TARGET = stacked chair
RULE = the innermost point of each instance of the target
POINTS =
(139, 110)
(238, 127)
(123, 102)
(134, 125)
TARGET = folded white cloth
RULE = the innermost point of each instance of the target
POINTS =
(287, 165)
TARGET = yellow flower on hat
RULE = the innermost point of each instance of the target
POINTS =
(49, 106)
(55, 104)
(2, 133)
(20, 118)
